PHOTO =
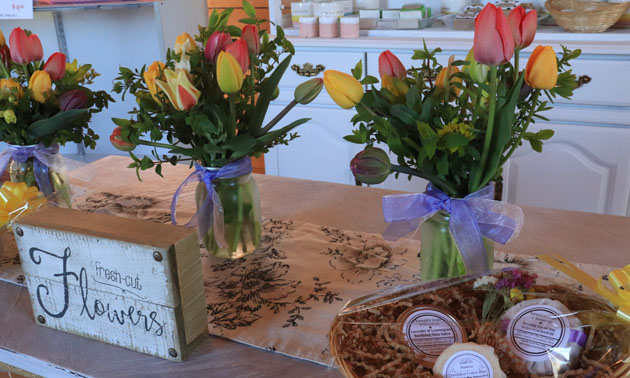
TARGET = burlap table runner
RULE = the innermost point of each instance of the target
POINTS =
(284, 296)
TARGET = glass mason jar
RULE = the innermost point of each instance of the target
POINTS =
(439, 254)
(59, 189)
(241, 216)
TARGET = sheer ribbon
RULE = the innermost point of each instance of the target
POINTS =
(45, 159)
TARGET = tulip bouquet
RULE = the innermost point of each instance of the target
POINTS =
(455, 126)
(42, 105)
(208, 100)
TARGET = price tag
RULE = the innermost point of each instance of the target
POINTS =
(16, 9)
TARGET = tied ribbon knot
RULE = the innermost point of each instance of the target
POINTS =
(211, 211)
(45, 159)
(619, 279)
(471, 218)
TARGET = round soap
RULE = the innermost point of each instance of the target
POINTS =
(545, 334)
(468, 360)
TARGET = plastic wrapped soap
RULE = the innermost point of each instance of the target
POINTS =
(468, 360)
(545, 334)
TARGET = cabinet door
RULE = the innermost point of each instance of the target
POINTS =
(320, 153)
(584, 168)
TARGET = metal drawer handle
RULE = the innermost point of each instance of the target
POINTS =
(308, 70)
(583, 80)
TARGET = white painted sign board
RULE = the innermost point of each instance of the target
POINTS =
(131, 283)
(16, 9)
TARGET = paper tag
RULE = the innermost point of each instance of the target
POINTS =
(429, 331)
(537, 330)
(467, 364)
(16, 9)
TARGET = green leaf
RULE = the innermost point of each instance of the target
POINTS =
(453, 140)
(369, 80)
(403, 113)
(545, 134)
(54, 124)
(272, 136)
(536, 144)
(354, 138)
(248, 21)
(249, 9)
(121, 122)
(146, 163)
(266, 95)
(241, 142)
(357, 71)
(442, 165)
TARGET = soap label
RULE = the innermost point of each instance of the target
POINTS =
(537, 330)
(429, 331)
(467, 364)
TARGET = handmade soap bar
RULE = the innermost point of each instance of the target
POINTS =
(468, 360)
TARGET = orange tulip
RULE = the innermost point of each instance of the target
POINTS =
(185, 43)
(180, 91)
(389, 64)
(542, 68)
(10, 88)
(155, 71)
(445, 78)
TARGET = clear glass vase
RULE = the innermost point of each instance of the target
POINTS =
(439, 254)
(57, 192)
(241, 215)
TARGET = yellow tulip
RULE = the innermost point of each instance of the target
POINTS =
(40, 85)
(3, 41)
(180, 91)
(445, 77)
(344, 89)
(18, 199)
(155, 71)
(229, 73)
(396, 86)
(185, 43)
(542, 68)
(10, 88)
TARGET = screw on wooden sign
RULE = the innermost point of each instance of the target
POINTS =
(96, 275)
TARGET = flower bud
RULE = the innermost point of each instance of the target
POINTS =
(10, 88)
(229, 73)
(74, 99)
(40, 86)
(344, 89)
(3, 41)
(118, 142)
(477, 71)
(5, 55)
(542, 68)
(56, 66)
(371, 166)
(239, 51)
(308, 91)
(185, 43)
(217, 42)
(25, 48)
(9, 116)
(250, 35)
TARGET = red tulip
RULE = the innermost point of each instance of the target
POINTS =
(5, 55)
(217, 42)
(389, 64)
(56, 66)
(239, 51)
(523, 26)
(25, 48)
(494, 43)
(250, 35)
(74, 99)
(118, 142)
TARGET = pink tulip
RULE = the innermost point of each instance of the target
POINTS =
(25, 48)
(5, 55)
(389, 64)
(494, 43)
(523, 26)
(217, 42)
(250, 35)
(56, 66)
(239, 51)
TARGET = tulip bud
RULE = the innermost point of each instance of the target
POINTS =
(73, 99)
(344, 89)
(3, 41)
(180, 91)
(9, 116)
(56, 66)
(389, 64)
(275, 94)
(523, 26)
(445, 78)
(185, 43)
(477, 71)
(5, 55)
(239, 51)
(308, 91)
(40, 86)
(25, 48)
(250, 35)
(371, 166)
(229, 73)
(217, 42)
(10, 88)
(397, 87)
(118, 142)
(155, 71)
(542, 68)
(493, 42)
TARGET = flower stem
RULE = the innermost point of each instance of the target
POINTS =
(516, 64)
(474, 186)
(277, 118)
(527, 123)
(232, 131)
(155, 144)
(445, 186)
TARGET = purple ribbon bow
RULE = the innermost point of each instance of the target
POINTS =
(471, 218)
(45, 158)
(211, 211)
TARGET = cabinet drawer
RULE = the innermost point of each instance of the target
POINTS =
(609, 85)
(340, 61)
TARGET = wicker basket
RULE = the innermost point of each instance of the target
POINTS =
(585, 16)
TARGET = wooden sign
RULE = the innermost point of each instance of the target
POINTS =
(131, 283)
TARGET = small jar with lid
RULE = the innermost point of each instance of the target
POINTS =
(308, 27)
(349, 27)
(328, 27)
(300, 9)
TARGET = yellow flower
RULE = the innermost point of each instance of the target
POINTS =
(344, 89)
(396, 86)
(516, 295)
(3, 41)
(9, 116)
(155, 71)
(10, 88)
(180, 91)
(542, 68)
(185, 43)
(18, 199)
(458, 128)
(40, 85)
(229, 73)
(445, 77)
